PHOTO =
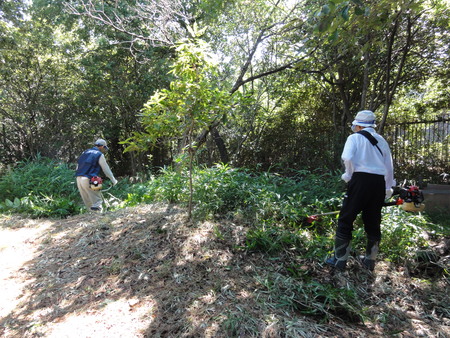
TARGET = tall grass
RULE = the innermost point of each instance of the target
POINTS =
(39, 188)
(274, 208)
(256, 197)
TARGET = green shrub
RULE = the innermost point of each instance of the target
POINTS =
(169, 186)
(221, 190)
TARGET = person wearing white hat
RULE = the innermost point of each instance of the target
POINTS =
(89, 165)
(369, 176)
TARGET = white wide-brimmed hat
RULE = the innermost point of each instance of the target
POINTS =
(365, 118)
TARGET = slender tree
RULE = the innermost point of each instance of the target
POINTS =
(192, 102)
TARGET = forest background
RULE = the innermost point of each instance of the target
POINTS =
(283, 79)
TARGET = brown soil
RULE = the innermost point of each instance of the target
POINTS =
(146, 272)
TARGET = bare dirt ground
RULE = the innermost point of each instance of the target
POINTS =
(146, 272)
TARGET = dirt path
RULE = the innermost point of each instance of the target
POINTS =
(145, 272)
(16, 248)
(133, 273)
(25, 311)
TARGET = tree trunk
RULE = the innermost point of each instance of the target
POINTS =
(224, 158)
(388, 78)
(365, 87)
(392, 87)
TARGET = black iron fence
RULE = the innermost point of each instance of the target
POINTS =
(421, 149)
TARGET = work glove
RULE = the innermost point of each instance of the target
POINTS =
(114, 182)
(388, 193)
(346, 177)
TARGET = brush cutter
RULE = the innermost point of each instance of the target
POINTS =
(409, 197)
(96, 183)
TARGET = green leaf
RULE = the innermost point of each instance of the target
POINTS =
(358, 3)
(325, 9)
(324, 25)
(345, 13)
(333, 37)
(331, 6)
(360, 10)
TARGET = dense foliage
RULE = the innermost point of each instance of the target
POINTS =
(73, 71)
(256, 198)
(272, 102)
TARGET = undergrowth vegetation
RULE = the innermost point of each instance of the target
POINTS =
(272, 209)
(39, 188)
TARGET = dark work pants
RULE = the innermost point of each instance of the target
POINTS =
(365, 193)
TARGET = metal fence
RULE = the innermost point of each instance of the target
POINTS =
(421, 149)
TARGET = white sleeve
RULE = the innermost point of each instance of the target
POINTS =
(347, 157)
(389, 177)
(106, 169)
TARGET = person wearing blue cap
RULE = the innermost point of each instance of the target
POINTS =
(89, 165)
(369, 176)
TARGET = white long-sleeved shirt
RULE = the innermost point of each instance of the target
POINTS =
(359, 155)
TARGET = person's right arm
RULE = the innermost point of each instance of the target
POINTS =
(106, 169)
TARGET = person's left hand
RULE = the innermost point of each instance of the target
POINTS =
(346, 177)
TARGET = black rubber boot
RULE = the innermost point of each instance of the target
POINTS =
(368, 261)
(341, 251)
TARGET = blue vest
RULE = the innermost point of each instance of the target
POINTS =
(88, 163)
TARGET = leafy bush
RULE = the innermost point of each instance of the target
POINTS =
(41, 187)
(169, 186)
(402, 233)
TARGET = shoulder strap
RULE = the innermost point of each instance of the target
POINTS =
(372, 139)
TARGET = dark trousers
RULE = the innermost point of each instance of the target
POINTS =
(365, 193)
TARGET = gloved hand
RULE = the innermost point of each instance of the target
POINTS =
(346, 177)
(114, 182)
(388, 194)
